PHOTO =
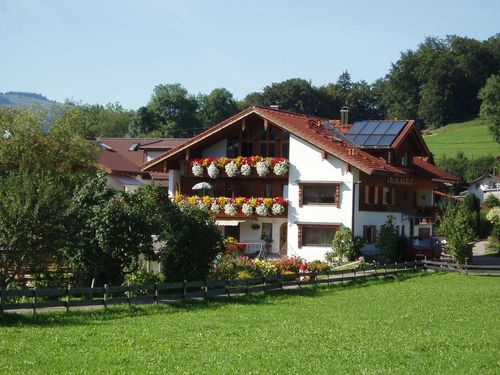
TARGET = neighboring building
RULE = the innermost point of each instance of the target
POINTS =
(340, 175)
(484, 186)
(121, 159)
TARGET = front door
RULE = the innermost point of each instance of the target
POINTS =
(283, 235)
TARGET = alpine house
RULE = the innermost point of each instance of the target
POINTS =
(290, 181)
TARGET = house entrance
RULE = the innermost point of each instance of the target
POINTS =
(283, 238)
(232, 231)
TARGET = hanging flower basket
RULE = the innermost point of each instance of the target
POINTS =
(232, 169)
(261, 210)
(281, 168)
(213, 170)
(215, 208)
(262, 168)
(197, 169)
(246, 170)
(230, 209)
(277, 209)
(247, 209)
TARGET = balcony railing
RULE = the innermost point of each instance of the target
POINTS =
(237, 207)
(253, 166)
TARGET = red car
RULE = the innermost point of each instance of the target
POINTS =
(430, 247)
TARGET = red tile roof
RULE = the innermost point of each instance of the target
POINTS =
(303, 126)
(120, 159)
(433, 172)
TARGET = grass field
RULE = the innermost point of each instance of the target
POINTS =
(440, 323)
(470, 137)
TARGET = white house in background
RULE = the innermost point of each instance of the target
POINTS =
(484, 186)
(340, 175)
(121, 159)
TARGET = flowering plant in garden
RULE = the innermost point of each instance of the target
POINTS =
(247, 209)
(281, 168)
(232, 169)
(262, 168)
(240, 164)
(215, 208)
(264, 267)
(261, 210)
(277, 209)
(231, 206)
(246, 170)
(230, 209)
(213, 170)
(197, 169)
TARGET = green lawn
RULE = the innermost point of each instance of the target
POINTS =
(440, 323)
(470, 137)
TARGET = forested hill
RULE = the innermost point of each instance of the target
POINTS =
(26, 99)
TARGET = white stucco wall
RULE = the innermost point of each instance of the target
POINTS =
(247, 234)
(217, 150)
(174, 177)
(306, 164)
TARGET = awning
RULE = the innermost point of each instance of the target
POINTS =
(228, 223)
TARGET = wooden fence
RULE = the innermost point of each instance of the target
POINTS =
(449, 266)
(34, 299)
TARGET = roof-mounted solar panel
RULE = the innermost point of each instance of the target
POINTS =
(374, 133)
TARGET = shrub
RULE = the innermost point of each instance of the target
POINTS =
(491, 201)
(288, 264)
(140, 277)
(344, 247)
(242, 275)
(455, 227)
(317, 266)
(387, 239)
(264, 267)
(227, 266)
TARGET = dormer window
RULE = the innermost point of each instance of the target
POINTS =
(405, 159)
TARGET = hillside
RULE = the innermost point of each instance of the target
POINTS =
(470, 137)
(26, 99)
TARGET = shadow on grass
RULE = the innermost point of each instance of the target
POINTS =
(97, 316)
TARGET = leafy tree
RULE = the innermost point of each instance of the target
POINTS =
(38, 172)
(344, 246)
(190, 241)
(110, 230)
(455, 227)
(472, 206)
(216, 107)
(490, 105)
(491, 201)
(171, 112)
(295, 95)
(387, 239)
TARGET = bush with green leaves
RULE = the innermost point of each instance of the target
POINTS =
(491, 201)
(388, 239)
(318, 266)
(344, 247)
(456, 227)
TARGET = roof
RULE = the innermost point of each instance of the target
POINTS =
(308, 128)
(117, 156)
(432, 171)
(488, 175)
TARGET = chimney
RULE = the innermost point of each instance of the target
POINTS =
(344, 115)
(276, 105)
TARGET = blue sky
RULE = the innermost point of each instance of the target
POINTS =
(106, 51)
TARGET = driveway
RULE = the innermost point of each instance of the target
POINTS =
(479, 257)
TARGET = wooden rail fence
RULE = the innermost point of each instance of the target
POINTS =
(34, 299)
(466, 268)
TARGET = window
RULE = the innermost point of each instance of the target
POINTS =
(371, 194)
(316, 234)
(388, 195)
(247, 143)
(233, 148)
(268, 190)
(267, 232)
(405, 159)
(319, 194)
(267, 141)
(285, 145)
(369, 234)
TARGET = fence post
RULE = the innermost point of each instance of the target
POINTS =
(2, 300)
(375, 267)
(246, 287)
(406, 265)
(364, 271)
(297, 278)
(395, 268)
(280, 278)
(33, 300)
(155, 299)
(354, 270)
(105, 296)
(128, 295)
(184, 289)
(342, 276)
(206, 289)
(265, 284)
(228, 283)
(66, 303)
(465, 266)
(328, 277)
(385, 271)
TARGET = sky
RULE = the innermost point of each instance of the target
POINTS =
(94, 51)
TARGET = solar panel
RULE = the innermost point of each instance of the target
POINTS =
(375, 133)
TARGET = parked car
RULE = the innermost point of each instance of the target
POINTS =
(429, 247)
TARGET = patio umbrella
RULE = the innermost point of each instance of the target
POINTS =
(202, 186)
